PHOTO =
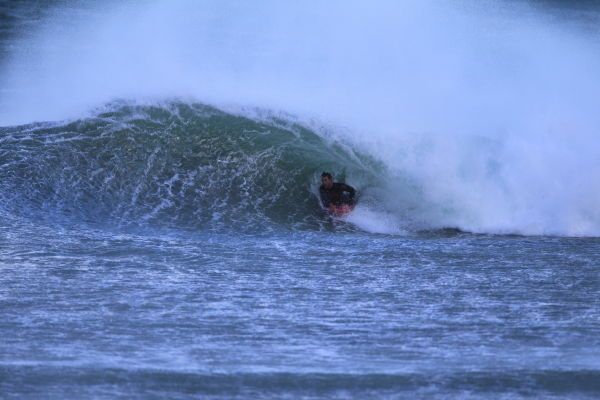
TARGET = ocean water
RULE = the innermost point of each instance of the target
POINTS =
(160, 228)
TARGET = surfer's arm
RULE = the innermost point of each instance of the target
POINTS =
(325, 200)
(349, 189)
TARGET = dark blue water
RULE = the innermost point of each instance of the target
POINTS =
(98, 313)
(171, 249)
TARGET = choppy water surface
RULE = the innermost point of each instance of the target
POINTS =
(299, 314)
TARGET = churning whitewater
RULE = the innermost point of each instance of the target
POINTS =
(161, 234)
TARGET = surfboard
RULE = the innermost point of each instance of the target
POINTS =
(341, 210)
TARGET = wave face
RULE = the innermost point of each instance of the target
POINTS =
(178, 164)
(195, 166)
(481, 115)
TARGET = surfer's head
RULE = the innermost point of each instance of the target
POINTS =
(326, 180)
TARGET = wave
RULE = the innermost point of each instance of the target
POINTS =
(191, 165)
(188, 165)
(474, 115)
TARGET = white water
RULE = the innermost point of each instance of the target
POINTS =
(490, 113)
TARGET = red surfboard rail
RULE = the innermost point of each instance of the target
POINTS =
(341, 210)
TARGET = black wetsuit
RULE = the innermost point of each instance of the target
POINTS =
(339, 194)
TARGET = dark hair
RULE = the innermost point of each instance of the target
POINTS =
(326, 174)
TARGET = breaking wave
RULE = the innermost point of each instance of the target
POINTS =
(190, 165)
(186, 165)
(475, 115)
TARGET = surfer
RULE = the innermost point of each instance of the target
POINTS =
(337, 197)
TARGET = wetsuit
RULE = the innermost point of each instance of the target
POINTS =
(339, 194)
